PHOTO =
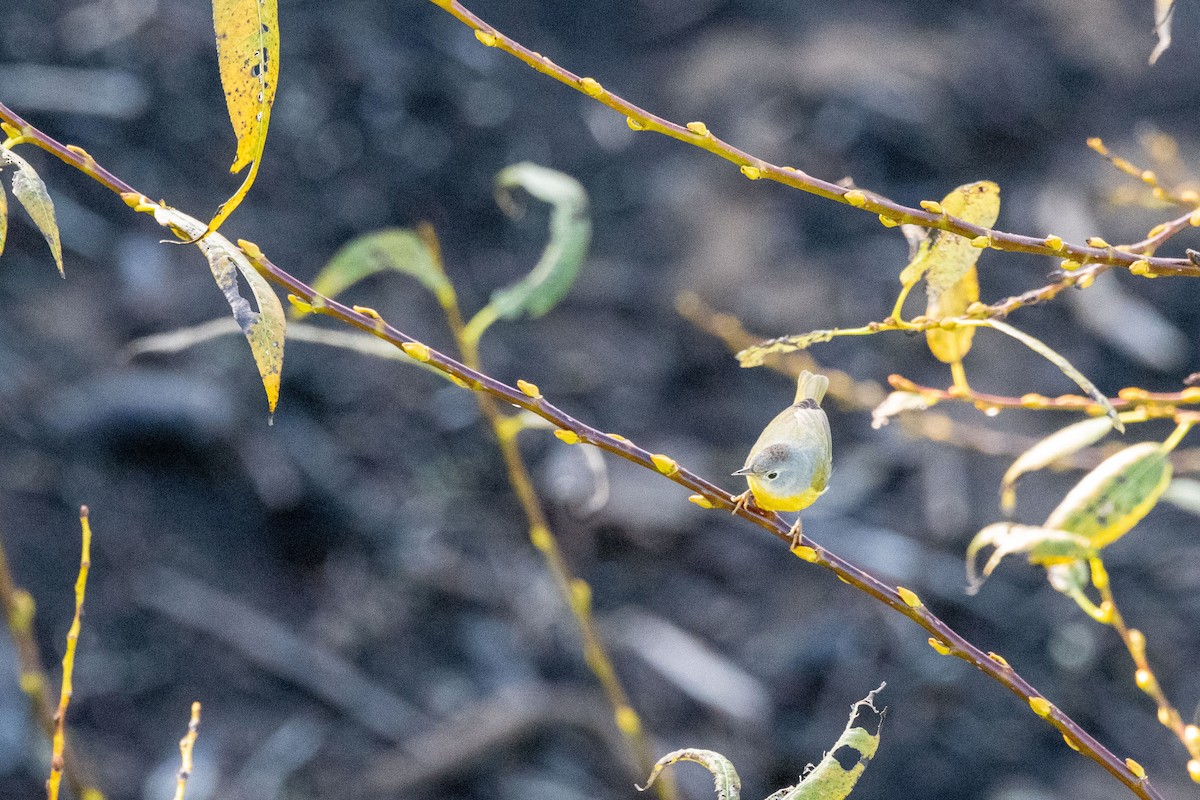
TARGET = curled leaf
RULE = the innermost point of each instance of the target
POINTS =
(728, 784)
(897, 403)
(1115, 496)
(396, 249)
(835, 775)
(1044, 544)
(263, 328)
(558, 267)
(247, 34)
(30, 191)
(952, 282)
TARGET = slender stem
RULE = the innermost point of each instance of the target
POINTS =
(1156, 404)
(949, 642)
(754, 168)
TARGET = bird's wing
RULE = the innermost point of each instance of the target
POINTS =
(812, 425)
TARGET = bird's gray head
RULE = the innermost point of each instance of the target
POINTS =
(785, 468)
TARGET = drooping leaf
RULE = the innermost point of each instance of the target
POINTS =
(247, 34)
(31, 192)
(263, 328)
(1044, 544)
(951, 280)
(835, 775)
(558, 267)
(897, 403)
(728, 784)
(1115, 496)
(1064, 366)
(1057, 445)
(1164, 12)
(396, 249)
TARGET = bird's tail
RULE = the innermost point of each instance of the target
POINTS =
(811, 387)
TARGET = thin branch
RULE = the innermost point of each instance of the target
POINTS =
(754, 168)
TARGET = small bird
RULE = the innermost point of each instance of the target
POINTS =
(788, 468)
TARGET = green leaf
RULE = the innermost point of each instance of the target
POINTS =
(31, 192)
(1057, 445)
(1115, 496)
(952, 282)
(835, 775)
(396, 249)
(263, 328)
(728, 784)
(247, 34)
(557, 269)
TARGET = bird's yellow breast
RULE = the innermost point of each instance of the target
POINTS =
(781, 502)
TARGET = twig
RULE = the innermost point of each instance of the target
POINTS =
(1144, 677)
(64, 699)
(754, 168)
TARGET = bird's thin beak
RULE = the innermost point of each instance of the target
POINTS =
(744, 471)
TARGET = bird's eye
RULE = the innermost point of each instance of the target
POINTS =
(772, 476)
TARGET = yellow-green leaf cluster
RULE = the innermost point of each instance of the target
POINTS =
(1105, 505)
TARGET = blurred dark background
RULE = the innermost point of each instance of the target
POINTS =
(351, 591)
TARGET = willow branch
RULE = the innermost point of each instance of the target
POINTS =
(705, 493)
(755, 168)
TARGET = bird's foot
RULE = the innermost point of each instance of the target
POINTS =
(796, 534)
(743, 500)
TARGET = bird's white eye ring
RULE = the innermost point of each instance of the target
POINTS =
(772, 476)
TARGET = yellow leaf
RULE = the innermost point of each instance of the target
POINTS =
(952, 282)
(263, 328)
(31, 192)
(248, 55)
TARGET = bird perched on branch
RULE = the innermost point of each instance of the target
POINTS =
(788, 467)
